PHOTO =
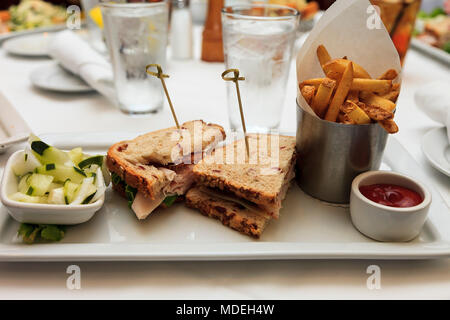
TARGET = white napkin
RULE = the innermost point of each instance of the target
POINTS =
(76, 55)
(434, 100)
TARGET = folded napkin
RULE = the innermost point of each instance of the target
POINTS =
(434, 100)
(77, 56)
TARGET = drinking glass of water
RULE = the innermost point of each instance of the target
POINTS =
(258, 40)
(136, 36)
(93, 17)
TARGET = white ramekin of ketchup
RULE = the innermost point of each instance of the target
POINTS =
(388, 206)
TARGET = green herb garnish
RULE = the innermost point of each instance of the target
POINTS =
(115, 178)
(32, 233)
(447, 47)
(170, 200)
(130, 193)
(50, 166)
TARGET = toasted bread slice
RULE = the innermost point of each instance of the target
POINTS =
(230, 213)
(263, 178)
(142, 162)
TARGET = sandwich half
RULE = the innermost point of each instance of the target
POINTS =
(245, 193)
(155, 169)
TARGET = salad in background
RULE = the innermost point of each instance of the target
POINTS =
(30, 14)
(433, 27)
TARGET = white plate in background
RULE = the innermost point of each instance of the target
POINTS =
(13, 129)
(53, 77)
(436, 148)
(433, 52)
(9, 35)
(33, 45)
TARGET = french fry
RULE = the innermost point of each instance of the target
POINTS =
(335, 68)
(348, 94)
(341, 93)
(390, 74)
(375, 112)
(374, 100)
(371, 85)
(322, 98)
(355, 113)
(389, 125)
(393, 94)
(323, 55)
(308, 93)
(316, 82)
(345, 119)
(353, 96)
(358, 84)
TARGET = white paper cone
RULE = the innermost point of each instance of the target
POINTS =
(349, 28)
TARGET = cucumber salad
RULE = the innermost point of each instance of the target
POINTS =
(52, 176)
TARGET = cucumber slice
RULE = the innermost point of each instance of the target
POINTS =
(56, 196)
(23, 183)
(61, 173)
(69, 191)
(76, 155)
(18, 196)
(100, 185)
(39, 147)
(54, 185)
(106, 174)
(85, 193)
(91, 169)
(26, 164)
(39, 184)
(48, 154)
(97, 160)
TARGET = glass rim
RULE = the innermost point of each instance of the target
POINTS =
(130, 5)
(295, 12)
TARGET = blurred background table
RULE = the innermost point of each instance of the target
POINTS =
(204, 97)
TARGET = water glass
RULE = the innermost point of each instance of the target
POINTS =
(95, 34)
(136, 36)
(258, 40)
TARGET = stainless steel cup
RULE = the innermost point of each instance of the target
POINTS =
(331, 155)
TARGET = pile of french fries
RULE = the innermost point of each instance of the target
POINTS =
(349, 95)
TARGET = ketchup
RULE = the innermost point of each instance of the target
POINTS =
(391, 195)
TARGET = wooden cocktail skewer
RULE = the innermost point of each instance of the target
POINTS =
(161, 76)
(235, 79)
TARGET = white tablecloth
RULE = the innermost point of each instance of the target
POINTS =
(198, 92)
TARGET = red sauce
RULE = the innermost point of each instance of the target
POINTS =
(391, 195)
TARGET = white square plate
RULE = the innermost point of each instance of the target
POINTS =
(13, 129)
(307, 228)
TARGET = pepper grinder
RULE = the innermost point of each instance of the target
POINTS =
(212, 45)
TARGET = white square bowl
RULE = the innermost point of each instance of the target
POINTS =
(40, 213)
